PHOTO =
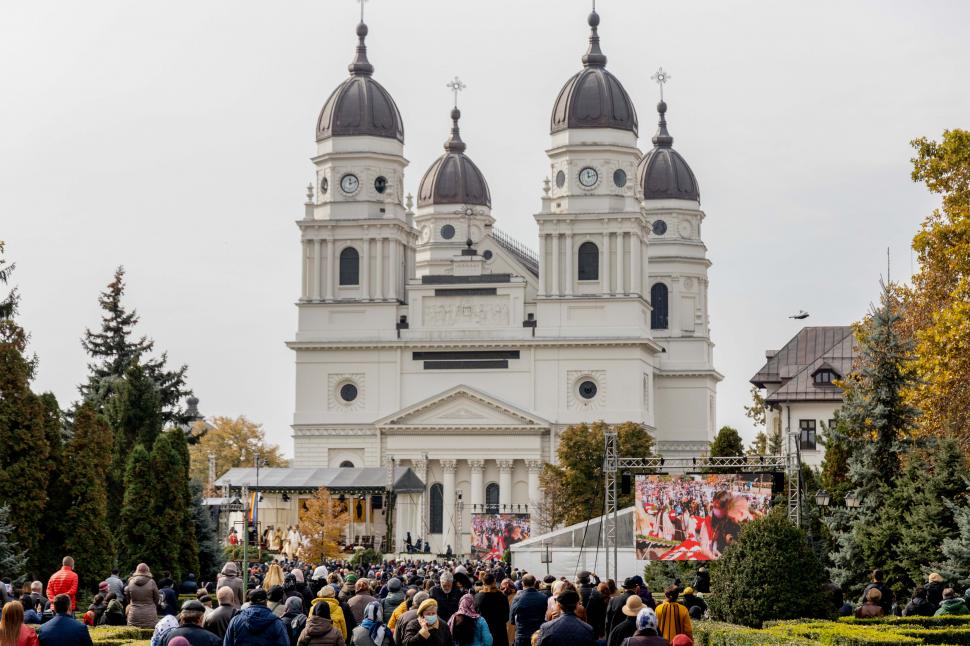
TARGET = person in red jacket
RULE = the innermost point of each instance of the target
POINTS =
(64, 581)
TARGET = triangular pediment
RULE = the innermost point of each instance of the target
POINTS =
(462, 406)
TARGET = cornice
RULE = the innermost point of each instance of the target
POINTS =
(377, 344)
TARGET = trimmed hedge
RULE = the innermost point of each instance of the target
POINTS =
(831, 633)
(119, 635)
(928, 622)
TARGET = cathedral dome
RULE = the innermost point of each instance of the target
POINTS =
(593, 98)
(663, 173)
(454, 178)
(360, 105)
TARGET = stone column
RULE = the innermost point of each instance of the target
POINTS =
(450, 501)
(505, 485)
(380, 269)
(635, 266)
(394, 275)
(619, 262)
(569, 270)
(331, 269)
(477, 493)
(421, 470)
(555, 265)
(606, 263)
(317, 269)
(535, 492)
(365, 270)
(543, 270)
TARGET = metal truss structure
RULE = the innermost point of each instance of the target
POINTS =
(614, 465)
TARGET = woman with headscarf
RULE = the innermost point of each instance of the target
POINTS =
(293, 619)
(647, 634)
(320, 630)
(143, 598)
(169, 620)
(372, 631)
(468, 627)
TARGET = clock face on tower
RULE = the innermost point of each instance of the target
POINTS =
(349, 183)
(588, 176)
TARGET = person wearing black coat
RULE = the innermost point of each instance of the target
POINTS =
(934, 590)
(189, 586)
(692, 601)
(614, 610)
(447, 595)
(919, 605)
(886, 600)
(493, 606)
(702, 582)
(596, 611)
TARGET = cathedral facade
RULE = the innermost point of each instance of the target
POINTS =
(427, 338)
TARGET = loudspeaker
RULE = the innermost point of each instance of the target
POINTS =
(777, 483)
(626, 481)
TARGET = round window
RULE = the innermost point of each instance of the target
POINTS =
(380, 184)
(560, 179)
(659, 227)
(619, 177)
(348, 392)
(324, 185)
(587, 389)
(487, 254)
(447, 232)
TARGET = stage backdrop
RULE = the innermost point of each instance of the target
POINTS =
(493, 533)
(694, 517)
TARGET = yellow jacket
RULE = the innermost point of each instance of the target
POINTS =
(336, 613)
(400, 610)
(673, 619)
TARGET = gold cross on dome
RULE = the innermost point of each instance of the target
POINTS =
(362, 3)
(456, 86)
(661, 77)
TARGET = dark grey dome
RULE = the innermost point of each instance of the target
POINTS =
(593, 98)
(454, 178)
(360, 105)
(663, 173)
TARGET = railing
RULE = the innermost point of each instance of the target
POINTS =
(525, 255)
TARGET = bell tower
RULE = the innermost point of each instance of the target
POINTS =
(592, 236)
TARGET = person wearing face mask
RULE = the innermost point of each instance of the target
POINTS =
(427, 629)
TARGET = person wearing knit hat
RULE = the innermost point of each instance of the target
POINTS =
(401, 621)
(682, 640)
(336, 614)
(694, 604)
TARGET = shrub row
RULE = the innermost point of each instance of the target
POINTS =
(928, 622)
(712, 633)
(830, 633)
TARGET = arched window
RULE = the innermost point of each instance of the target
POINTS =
(436, 510)
(491, 499)
(349, 267)
(658, 299)
(346, 464)
(589, 261)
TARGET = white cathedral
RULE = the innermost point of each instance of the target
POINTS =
(429, 339)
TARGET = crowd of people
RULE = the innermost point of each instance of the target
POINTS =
(394, 603)
(391, 603)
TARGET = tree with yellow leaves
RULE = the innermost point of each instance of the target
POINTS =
(322, 523)
(937, 306)
(235, 443)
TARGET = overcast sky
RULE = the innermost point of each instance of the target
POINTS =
(174, 137)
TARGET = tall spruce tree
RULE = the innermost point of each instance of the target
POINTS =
(189, 544)
(137, 524)
(206, 537)
(23, 444)
(12, 557)
(46, 556)
(935, 484)
(167, 509)
(956, 547)
(88, 537)
(878, 420)
(115, 349)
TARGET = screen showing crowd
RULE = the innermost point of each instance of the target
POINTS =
(694, 517)
(492, 534)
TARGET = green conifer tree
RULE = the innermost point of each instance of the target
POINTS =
(168, 510)
(23, 445)
(931, 491)
(137, 524)
(878, 420)
(88, 537)
(189, 544)
(206, 537)
(956, 547)
(12, 557)
(114, 350)
(46, 557)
